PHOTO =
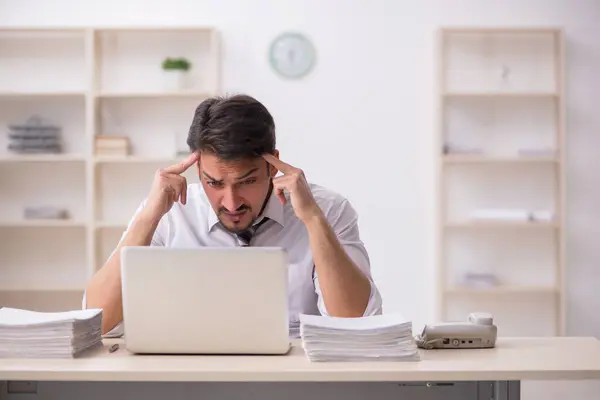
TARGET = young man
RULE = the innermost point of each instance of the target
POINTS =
(241, 201)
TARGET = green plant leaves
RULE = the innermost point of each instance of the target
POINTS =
(176, 64)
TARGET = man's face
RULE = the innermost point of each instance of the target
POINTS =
(236, 189)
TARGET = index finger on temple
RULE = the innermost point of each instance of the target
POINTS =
(277, 163)
(182, 166)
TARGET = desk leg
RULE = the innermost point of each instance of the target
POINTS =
(499, 390)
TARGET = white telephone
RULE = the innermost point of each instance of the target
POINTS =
(477, 333)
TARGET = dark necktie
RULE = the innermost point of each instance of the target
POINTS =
(246, 236)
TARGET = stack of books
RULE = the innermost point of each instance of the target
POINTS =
(33, 334)
(112, 146)
(374, 338)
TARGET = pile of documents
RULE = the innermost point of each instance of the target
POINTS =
(294, 329)
(32, 334)
(385, 337)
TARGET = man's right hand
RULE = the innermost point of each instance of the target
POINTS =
(168, 187)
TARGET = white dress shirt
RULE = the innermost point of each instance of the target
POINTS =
(196, 224)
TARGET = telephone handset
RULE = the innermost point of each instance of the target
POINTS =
(477, 332)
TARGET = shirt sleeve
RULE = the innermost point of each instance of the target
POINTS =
(345, 226)
(157, 240)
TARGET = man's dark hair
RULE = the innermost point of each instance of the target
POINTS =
(232, 127)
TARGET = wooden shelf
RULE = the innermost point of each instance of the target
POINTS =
(111, 224)
(134, 159)
(501, 225)
(208, 30)
(503, 30)
(17, 158)
(95, 81)
(501, 290)
(482, 159)
(11, 94)
(501, 93)
(41, 223)
(32, 290)
(125, 95)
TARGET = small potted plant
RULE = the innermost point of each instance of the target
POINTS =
(175, 71)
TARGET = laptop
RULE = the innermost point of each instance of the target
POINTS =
(205, 300)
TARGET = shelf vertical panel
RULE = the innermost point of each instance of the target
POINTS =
(90, 117)
(561, 177)
(441, 187)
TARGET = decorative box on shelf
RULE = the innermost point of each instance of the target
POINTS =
(34, 136)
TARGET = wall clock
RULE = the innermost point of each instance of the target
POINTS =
(292, 55)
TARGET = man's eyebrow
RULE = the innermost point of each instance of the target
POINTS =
(247, 174)
(210, 177)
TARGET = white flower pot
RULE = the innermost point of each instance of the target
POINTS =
(174, 80)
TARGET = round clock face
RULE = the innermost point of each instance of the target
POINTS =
(292, 55)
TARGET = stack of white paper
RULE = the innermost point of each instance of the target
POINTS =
(385, 337)
(31, 334)
(294, 329)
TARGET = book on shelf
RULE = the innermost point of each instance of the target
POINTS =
(112, 146)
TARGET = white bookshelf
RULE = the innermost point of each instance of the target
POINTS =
(90, 82)
(501, 157)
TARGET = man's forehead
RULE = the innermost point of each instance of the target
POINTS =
(218, 168)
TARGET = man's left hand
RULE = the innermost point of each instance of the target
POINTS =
(294, 182)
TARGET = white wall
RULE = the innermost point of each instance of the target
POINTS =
(363, 122)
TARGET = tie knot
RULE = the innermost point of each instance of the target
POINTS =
(245, 236)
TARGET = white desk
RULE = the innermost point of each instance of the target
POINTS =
(476, 373)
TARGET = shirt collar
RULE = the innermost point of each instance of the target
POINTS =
(273, 210)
